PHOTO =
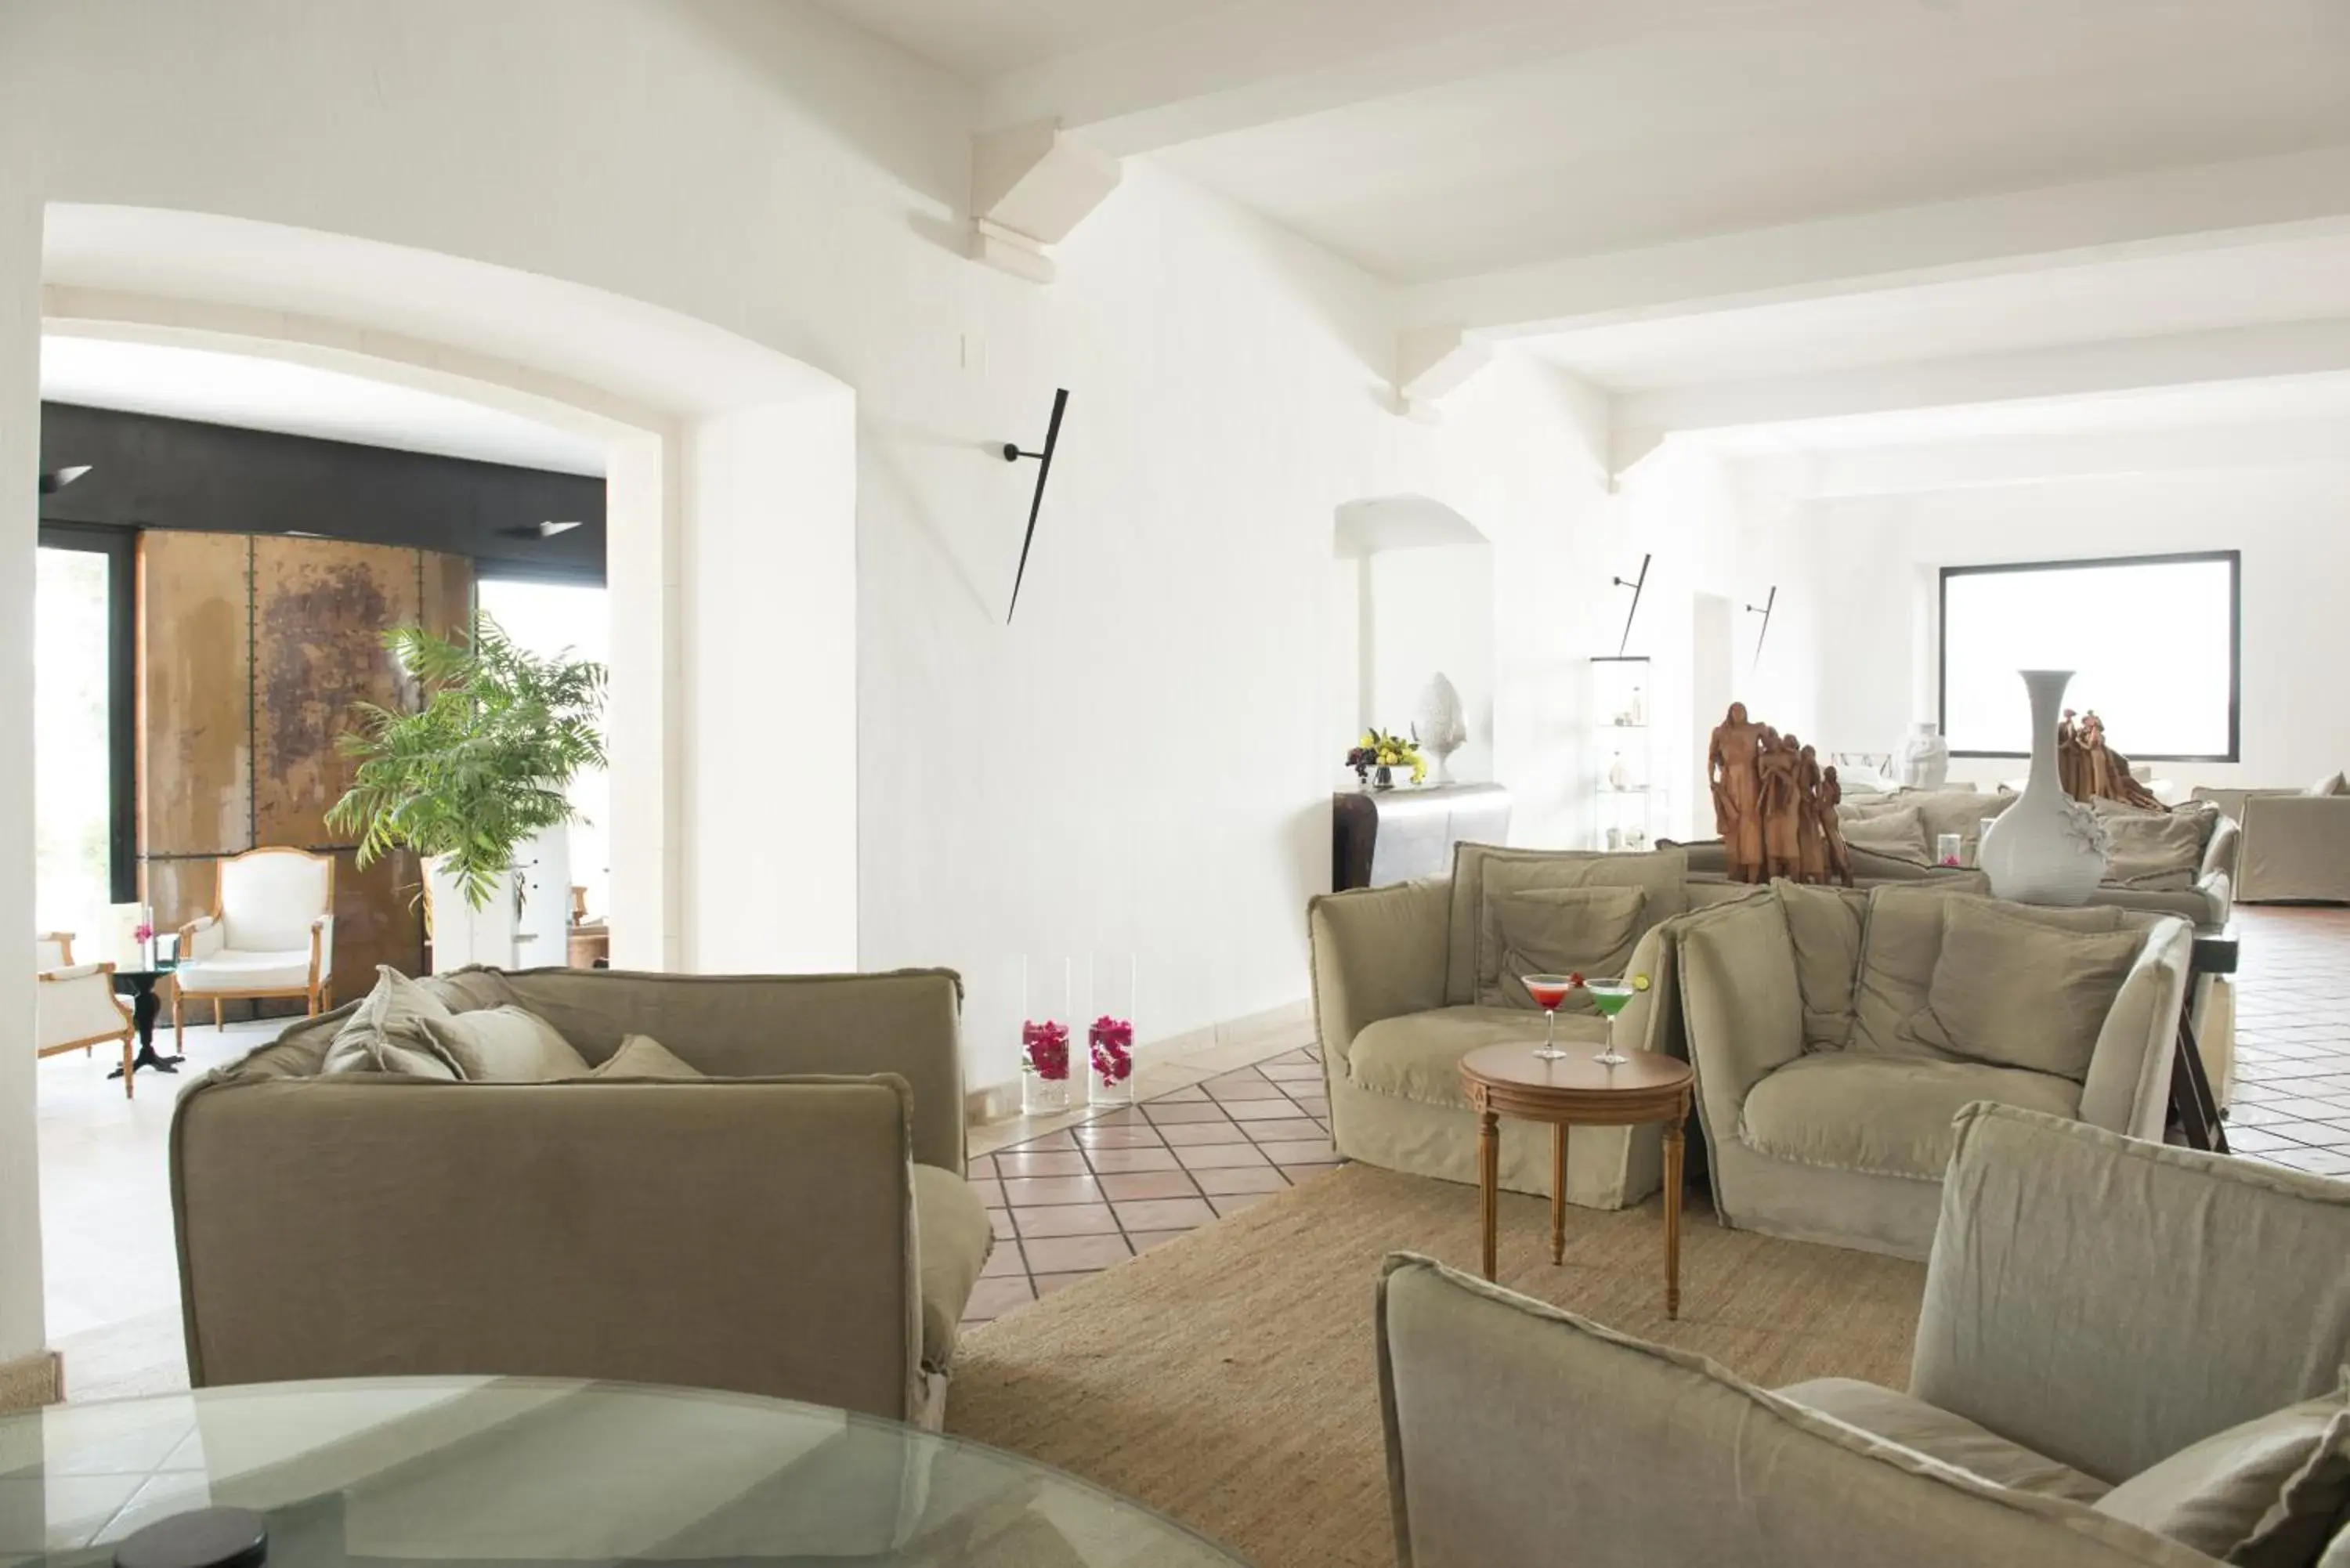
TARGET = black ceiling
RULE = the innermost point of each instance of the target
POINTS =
(147, 472)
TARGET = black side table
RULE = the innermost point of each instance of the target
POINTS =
(2192, 1104)
(145, 1006)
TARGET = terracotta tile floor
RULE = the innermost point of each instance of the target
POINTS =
(1072, 1203)
(2291, 1103)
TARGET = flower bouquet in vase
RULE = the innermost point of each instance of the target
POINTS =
(1045, 1086)
(1109, 1039)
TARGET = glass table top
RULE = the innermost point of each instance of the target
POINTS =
(508, 1471)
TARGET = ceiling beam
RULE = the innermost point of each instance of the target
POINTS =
(1030, 185)
(2168, 211)
(1982, 463)
(1231, 68)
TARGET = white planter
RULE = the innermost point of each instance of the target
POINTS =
(1925, 759)
(494, 935)
(2046, 849)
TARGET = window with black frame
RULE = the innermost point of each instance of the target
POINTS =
(2152, 641)
(86, 851)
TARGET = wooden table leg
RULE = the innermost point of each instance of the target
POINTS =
(1488, 1174)
(1557, 1192)
(1673, 1215)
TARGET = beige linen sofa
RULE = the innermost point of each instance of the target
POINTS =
(1409, 978)
(1836, 1032)
(2093, 1306)
(797, 1224)
(2296, 843)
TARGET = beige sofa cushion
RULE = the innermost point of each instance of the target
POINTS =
(1662, 874)
(1590, 932)
(1899, 833)
(2331, 784)
(2158, 851)
(502, 1046)
(642, 1057)
(2010, 991)
(2266, 1493)
(952, 1238)
(1417, 1056)
(1903, 943)
(1883, 1116)
(1937, 1434)
(381, 1035)
(1826, 925)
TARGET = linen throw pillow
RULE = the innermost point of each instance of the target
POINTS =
(2264, 1494)
(502, 1046)
(1900, 833)
(380, 1035)
(642, 1057)
(1590, 932)
(2331, 784)
(2014, 992)
(2162, 850)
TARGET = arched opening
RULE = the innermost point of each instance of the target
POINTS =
(1413, 598)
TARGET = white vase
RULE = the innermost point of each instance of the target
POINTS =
(1440, 726)
(1925, 761)
(2046, 849)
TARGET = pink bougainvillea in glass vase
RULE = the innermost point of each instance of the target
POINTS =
(1109, 1039)
(1044, 1083)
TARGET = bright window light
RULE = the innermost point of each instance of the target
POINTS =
(2152, 641)
(548, 619)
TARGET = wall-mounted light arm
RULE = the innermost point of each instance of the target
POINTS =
(1770, 601)
(57, 479)
(1012, 453)
(1635, 584)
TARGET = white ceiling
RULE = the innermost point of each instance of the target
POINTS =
(299, 400)
(1805, 113)
(978, 38)
(2099, 300)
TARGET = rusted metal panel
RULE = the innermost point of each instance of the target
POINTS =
(194, 691)
(320, 609)
(447, 592)
(377, 920)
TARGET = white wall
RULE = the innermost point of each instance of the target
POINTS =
(1431, 610)
(1871, 599)
(1143, 760)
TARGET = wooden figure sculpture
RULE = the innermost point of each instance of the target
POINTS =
(1811, 834)
(1781, 767)
(1732, 766)
(2105, 773)
(1838, 853)
(2072, 758)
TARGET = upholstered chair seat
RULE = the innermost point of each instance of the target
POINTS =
(271, 934)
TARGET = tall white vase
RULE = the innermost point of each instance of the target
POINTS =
(2046, 849)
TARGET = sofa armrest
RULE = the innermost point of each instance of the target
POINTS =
(754, 1235)
(2106, 1301)
(1519, 1434)
(1378, 952)
(2127, 1088)
(2295, 846)
(2222, 853)
(1741, 1010)
(322, 951)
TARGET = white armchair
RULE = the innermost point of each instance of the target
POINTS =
(74, 1007)
(271, 934)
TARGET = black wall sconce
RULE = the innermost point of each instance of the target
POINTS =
(1635, 584)
(1012, 453)
(1770, 602)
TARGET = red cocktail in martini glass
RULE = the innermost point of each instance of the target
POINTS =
(1548, 990)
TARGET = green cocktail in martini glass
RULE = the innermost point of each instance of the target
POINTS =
(1607, 1000)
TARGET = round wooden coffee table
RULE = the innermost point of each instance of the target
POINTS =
(1575, 1090)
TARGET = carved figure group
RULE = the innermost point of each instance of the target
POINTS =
(1773, 804)
(2089, 769)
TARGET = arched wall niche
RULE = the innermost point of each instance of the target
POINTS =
(1412, 595)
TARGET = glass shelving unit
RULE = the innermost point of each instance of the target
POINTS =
(1627, 802)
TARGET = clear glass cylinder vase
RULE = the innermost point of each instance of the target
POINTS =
(1109, 1036)
(1048, 1059)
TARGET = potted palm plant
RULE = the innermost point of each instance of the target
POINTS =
(474, 775)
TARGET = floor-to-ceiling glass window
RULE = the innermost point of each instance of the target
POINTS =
(83, 854)
(573, 618)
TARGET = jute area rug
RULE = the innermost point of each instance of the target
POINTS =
(1229, 1378)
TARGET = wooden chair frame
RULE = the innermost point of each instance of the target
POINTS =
(128, 1034)
(317, 993)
